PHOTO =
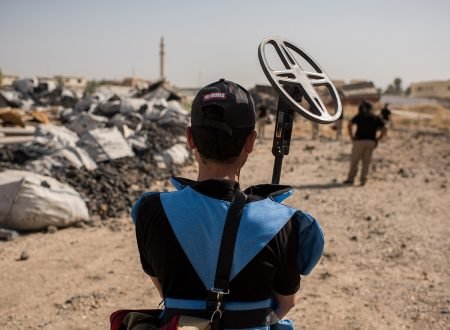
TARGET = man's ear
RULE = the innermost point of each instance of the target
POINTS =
(190, 138)
(250, 142)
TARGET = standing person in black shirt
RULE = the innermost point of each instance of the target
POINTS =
(386, 115)
(179, 234)
(364, 140)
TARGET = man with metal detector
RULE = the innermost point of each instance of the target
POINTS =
(215, 252)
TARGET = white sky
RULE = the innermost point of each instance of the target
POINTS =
(206, 40)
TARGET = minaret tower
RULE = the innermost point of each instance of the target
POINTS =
(161, 58)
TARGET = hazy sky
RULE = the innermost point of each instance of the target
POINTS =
(206, 40)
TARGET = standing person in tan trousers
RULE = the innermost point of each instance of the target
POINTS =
(364, 140)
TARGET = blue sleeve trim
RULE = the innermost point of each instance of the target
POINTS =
(310, 242)
(137, 204)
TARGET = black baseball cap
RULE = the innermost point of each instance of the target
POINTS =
(223, 105)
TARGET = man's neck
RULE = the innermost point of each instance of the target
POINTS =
(219, 171)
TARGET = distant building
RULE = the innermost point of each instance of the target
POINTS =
(77, 84)
(122, 88)
(48, 83)
(354, 93)
(135, 82)
(356, 81)
(432, 89)
(8, 79)
(338, 83)
(394, 100)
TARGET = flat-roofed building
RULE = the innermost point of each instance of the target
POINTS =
(355, 93)
(74, 83)
(432, 89)
(135, 82)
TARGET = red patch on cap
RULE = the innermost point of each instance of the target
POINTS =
(214, 96)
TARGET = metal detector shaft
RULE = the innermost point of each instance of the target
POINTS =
(281, 137)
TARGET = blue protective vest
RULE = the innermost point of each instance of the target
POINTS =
(197, 221)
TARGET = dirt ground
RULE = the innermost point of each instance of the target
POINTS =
(387, 256)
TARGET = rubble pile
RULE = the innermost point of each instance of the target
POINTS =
(109, 149)
(113, 186)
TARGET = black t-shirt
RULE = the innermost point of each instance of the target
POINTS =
(274, 268)
(367, 126)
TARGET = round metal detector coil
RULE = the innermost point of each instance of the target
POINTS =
(306, 82)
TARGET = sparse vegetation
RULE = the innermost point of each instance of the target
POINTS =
(395, 88)
(59, 81)
(91, 86)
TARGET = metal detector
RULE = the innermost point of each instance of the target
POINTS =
(295, 87)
